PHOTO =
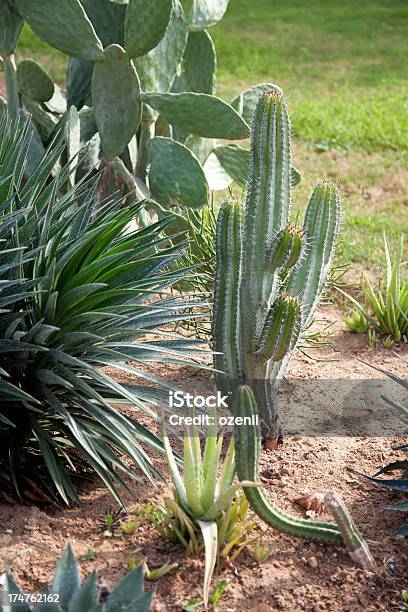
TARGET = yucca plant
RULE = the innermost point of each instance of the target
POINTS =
(78, 293)
(66, 592)
(385, 308)
(203, 494)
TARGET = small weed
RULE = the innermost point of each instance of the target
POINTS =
(356, 322)
(261, 552)
(149, 574)
(162, 520)
(388, 342)
(214, 598)
(112, 521)
(372, 337)
(88, 556)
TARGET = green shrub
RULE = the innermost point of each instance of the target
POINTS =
(78, 293)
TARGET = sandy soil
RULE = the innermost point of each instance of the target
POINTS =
(298, 575)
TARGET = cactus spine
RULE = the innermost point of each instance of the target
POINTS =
(277, 272)
(269, 279)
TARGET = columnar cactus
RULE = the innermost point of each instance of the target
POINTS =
(269, 275)
(269, 278)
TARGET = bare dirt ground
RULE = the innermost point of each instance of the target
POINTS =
(298, 575)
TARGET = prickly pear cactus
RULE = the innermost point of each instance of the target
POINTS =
(270, 275)
(142, 73)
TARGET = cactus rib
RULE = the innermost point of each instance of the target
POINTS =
(226, 293)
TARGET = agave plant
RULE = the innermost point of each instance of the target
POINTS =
(78, 293)
(67, 592)
(401, 466)
(385, 308)
(203, 494)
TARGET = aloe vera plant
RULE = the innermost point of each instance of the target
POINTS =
(67, 593)
(270, 275)
(202, 494)
(141, 76)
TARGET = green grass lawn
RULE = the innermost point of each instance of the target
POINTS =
(343, 67)
(342, 64)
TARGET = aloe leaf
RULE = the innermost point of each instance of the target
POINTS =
(396, 484)
(157, 69)
(225, 498)
(174, 471)
(210, 537)
(206, 13)
(63, 25)
(115, 91)
(184, 519)
(401, 506)
(228, 470)
(402, 532)
(146, 24)
(193, 476)
(211, 460)
(199, 114)
(170, 159)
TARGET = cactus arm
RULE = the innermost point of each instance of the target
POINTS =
(321, 227)
(10, 76)
(248, 446)
(355, 544)
(226, 294)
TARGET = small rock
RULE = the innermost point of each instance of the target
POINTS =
(312, 562)
(8, 531)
